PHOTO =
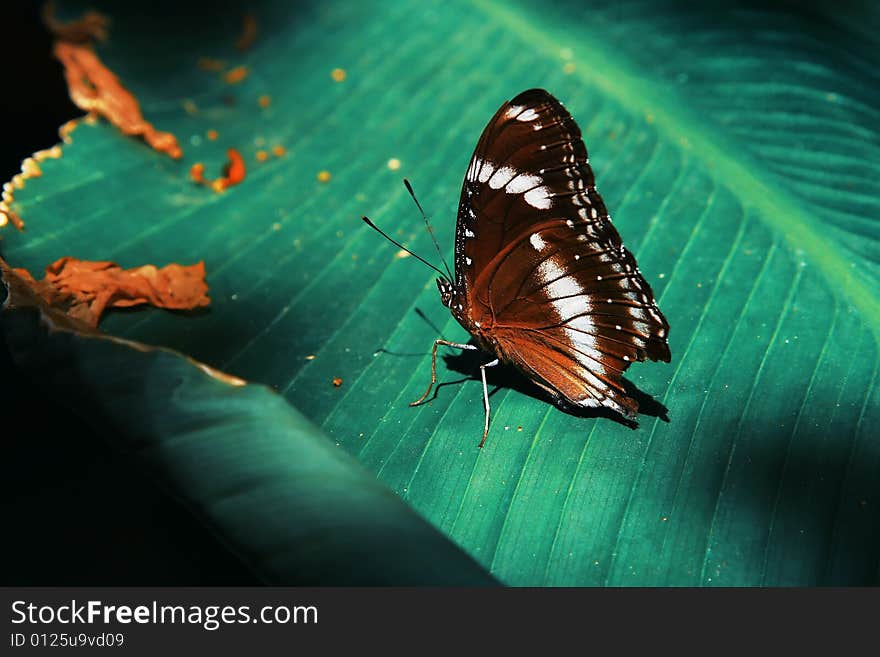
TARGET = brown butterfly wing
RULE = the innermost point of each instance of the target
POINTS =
(500, 192)
(544, 275)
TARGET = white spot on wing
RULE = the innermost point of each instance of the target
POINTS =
(536, 242)
(539, 198)
(468, 232)
(501, 177)
(512, 111)
(522, 183)
(569, 304)
(583, 323)
(529, 115)
(586, 343)
(483, 169)
(568, 307)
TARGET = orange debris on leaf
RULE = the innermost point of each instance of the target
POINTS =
(211, 64)
(278, 150)
(262, 156)
(249, 29)
(337, 381)
(197, 173)
(94, 88)
(233, 172)
(212, 135)
(236, 75)
(264, 101)
(85, 290)
(338, 74)
(324, 176)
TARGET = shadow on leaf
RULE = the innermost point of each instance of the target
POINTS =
(506, 376)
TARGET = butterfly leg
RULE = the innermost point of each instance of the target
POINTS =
(486, 398)
(457, 345)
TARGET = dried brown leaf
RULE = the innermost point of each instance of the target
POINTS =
(95, 88)
(85, 290)
(21, 296)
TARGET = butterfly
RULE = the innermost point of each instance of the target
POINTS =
(542, 279)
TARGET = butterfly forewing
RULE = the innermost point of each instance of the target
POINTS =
(531, 146)
(541, 274)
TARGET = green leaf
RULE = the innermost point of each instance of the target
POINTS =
(738, 151)
(288, 502)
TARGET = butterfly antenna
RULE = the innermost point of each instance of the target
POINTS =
(428, 226)
(369, 223)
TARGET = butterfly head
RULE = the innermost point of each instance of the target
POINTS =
(446, 291)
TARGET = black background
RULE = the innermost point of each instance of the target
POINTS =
(34, 96)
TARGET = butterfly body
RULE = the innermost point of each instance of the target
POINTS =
(542, 280)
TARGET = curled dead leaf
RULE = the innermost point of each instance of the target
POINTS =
(85, 290)
(90, 27)
(95, 88)
(22, 296)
